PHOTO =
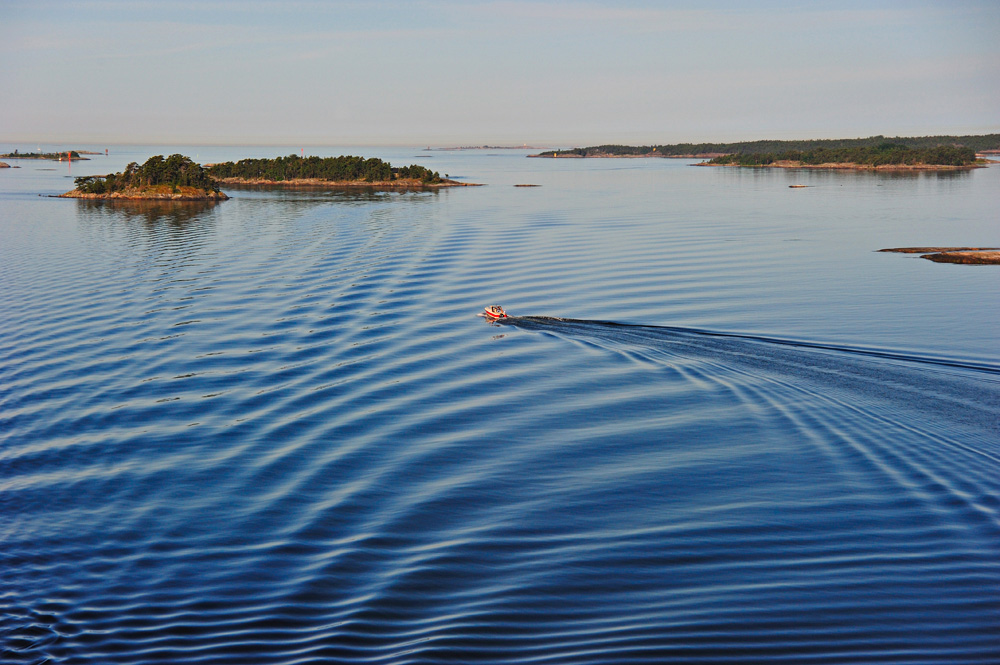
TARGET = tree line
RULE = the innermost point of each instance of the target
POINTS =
(881, 155)
(976, 143)
(175, 170)
(346, 168)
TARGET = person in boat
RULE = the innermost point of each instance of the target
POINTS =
(497, 310)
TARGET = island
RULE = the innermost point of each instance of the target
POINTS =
(54, 156)
(487, 147)
(963, 255)
(175, 178)
(346, 171)
(885, 156)
(978, 143)
(677, 151)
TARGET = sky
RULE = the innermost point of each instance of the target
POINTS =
(463, 72)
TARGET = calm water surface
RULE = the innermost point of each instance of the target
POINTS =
(718, 428)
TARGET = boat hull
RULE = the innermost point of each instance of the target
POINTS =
(492, 314)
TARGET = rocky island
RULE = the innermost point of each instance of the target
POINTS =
(346, 171)
(175, 178)
(963, 255)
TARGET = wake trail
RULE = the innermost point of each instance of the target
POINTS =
(945, 394)
(600, 328)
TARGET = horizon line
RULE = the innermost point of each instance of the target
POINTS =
(529, 145)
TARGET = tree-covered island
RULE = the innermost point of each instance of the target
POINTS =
(55, 156)
(343, 171)
(770, 152)
(883, 156)
(175, 178)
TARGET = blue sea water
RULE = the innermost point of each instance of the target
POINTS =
(719, 427)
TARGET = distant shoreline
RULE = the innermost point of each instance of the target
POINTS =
(687, 150)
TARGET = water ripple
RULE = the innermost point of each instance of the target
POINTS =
(274, 431)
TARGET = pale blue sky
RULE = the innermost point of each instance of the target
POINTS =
(505, 72)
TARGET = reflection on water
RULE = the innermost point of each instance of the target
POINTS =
(353, 194)
(155, 230)
(150, 212)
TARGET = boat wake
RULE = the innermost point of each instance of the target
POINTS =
(614, 332)
(942, 394)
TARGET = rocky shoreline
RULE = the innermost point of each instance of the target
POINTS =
(151, 193)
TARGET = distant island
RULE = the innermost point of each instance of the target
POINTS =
(346, 171)
(55, 156)
(978, 143)
(677, 151)
(885, 156)
(487, 147)
(175, 178)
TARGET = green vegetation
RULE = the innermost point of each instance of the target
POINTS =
(175, 171)
(976, 143)
(885, 154)
(335, 169)
(42, 155)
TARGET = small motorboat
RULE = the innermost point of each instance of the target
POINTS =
(495, 312)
